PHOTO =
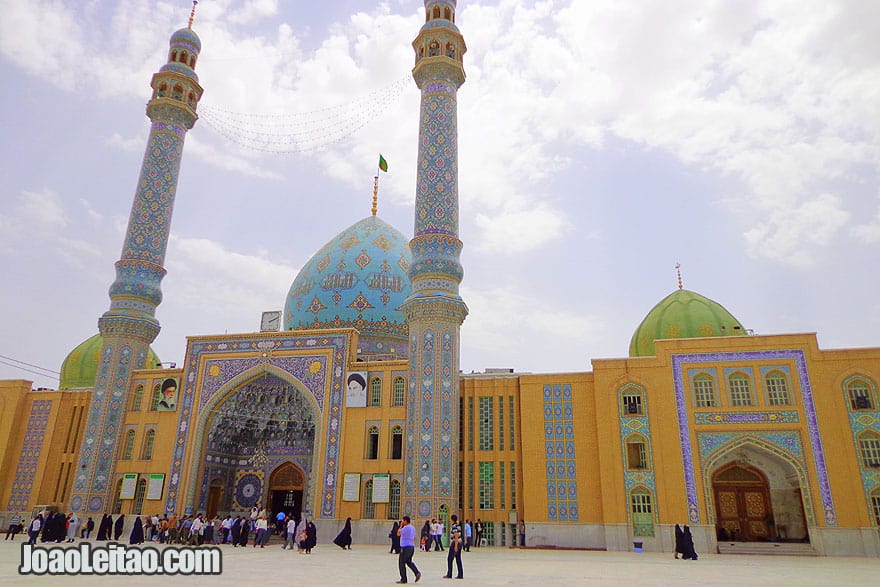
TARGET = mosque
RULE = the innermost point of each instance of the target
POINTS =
(350, 402)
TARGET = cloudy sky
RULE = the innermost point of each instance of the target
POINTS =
(600, 143)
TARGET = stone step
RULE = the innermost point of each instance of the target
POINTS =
(767, 548)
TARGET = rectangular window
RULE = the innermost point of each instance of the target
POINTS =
(376, 392)
(512, 485)
(486, 423)
(470, 485)
(740, 391)
(511, 416)
(470, 428)
(870, 448)
(632, 404)
(461, 485)
(704, 392)
(394, 503)
(487, 485)
(501, 423)
(777, 390)
(501, 491)
(399, 389)
(489, 533)
(636, 456)
(875, 504)
(461, 420)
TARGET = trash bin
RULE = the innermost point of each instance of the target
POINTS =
(637, 547)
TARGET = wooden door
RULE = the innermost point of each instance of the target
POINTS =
(742, 503)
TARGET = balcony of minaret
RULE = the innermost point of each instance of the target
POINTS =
(435, 13)
(438, 48)
(182, 57)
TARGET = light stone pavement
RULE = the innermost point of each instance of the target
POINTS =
(366, 566)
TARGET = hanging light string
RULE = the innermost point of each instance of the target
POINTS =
(284, 134)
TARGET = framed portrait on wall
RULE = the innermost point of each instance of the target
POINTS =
(356, 389)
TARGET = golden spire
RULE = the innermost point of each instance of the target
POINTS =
(678, 272)
(375, 194)
(192, 15)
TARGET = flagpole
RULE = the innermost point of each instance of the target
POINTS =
(375, 192)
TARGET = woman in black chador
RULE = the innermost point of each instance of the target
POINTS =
(679, 540)
(235, 531)
(395, 539)
(343, 539)
(244, 532)
(688, 552)
(137, 532)
(117, 527)
(105, 528)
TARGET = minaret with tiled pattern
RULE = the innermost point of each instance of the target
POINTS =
(435, 311)
(130, 325)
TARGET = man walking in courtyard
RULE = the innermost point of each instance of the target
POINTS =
(407, 548)
(455, 545)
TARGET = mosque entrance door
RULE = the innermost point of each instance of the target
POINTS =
(742, 499)
(215, 498)
(286, 490)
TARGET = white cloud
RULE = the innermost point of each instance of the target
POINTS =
(209, 277)
(784, 234)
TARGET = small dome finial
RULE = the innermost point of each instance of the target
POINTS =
(375, 194)
(678, 272)
(192, 14)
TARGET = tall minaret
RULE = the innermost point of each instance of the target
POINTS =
(435, 311)
(130, 325)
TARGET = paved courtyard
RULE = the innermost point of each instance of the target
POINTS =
(365, 566)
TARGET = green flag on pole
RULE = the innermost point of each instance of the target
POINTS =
(383, 165)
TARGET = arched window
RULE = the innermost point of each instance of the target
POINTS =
(163, 90)
(157, 397)
(184, 57)
(192, 61)
(776, 384)
(128, 447)
(373, 443)
(174, 55)
(447, 13)
(136, 398)
(369, 506)
(869, 448)
(399, 391)
(636, 453)
(875, 506)
(704, 391)
(436, 12)
(375, 392)
(642, 509)
(860, 396)
(177, 92)
(450, 50)
(394, 501)
(740, 389)
(397, 443)
(631, 402)
(117, 498)
(139, 493)
(433, 49)
(149, 439)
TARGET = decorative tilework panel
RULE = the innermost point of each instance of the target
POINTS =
(30, 455)
(782, 417)
(559, 453)
(861, 421)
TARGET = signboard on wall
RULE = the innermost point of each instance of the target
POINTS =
(351, 487)
(155, 486)
(381, 487)
(129, 483)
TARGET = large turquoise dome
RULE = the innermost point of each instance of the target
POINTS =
(357, 280)
(683, 314)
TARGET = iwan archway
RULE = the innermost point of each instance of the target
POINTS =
(757, 496)
(258, 447)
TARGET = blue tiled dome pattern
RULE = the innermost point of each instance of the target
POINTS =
(357, 280)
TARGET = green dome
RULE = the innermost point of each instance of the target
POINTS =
(683, 314)
(80, 368)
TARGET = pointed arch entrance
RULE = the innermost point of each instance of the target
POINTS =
(742, 498)
(258, 446)
(286, 484)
